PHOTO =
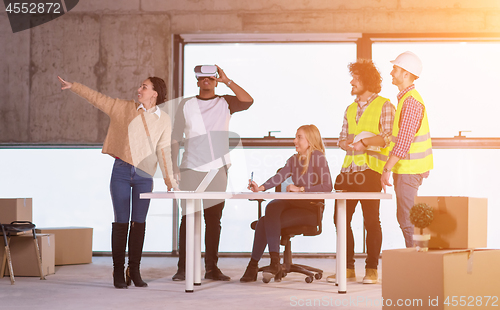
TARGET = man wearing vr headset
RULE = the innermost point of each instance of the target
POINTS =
(203, 122)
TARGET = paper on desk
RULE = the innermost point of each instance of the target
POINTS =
(363, 135)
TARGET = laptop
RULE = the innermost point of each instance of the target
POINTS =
(206, 181)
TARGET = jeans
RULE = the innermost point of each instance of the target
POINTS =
(364, 181)
(126, 180)
(212, 213)
(406, 189)
(280, 214)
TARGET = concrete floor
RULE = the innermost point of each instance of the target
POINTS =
(90, 287)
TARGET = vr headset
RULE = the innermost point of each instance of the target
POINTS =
(205, 71)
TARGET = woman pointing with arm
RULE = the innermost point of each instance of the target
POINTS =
(138, 137)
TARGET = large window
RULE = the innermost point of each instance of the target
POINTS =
(293, 84)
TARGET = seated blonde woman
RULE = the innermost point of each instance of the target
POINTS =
(310, 173)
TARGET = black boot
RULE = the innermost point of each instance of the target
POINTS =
(250, 274)
(118, 244)
(274, 270)
(214, 273)
(135, 243)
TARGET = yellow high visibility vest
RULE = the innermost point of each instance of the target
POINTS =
(369, 121)
(419, 158)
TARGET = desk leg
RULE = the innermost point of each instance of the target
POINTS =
(341, 246)
(190, 204)
(197, 243)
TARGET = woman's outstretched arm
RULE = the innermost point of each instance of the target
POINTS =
(100, 101)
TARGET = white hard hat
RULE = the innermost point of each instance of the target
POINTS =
(410, 62)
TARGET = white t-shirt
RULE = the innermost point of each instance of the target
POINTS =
(204, 123)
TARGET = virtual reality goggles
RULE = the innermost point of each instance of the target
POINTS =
(205, 70)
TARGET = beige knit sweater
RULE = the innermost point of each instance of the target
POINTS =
(139, 138)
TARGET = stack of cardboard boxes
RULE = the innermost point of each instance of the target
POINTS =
(74, 244)
(455, 272)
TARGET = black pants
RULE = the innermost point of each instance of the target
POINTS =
(365, 181)
(212, 213)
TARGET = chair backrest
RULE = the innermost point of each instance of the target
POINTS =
(17, 226)
(306, 230)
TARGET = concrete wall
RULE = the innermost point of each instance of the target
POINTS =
(113, 45)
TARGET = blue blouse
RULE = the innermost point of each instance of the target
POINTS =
(316, 179)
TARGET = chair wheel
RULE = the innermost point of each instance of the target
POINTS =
(309, 279)
(283, 274)
(266, 277)
(318, 276)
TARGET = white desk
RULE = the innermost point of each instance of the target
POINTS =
(193, 224)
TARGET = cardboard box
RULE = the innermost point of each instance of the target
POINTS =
(15, 209)
(440, 279)
(74, 244)
(459, 222)
(23, 254)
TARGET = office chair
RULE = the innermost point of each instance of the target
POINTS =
(287, 234)
(16, 227)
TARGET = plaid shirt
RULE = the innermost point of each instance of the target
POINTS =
(385, 126)
(411, 117)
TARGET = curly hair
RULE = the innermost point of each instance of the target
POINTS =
(160, 87)
(368, 74)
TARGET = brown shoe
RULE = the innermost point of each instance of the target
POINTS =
(371, 276)
(351, 276)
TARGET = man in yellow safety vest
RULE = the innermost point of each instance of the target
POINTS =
(411, 149)
(365, 136)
